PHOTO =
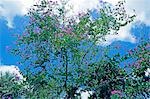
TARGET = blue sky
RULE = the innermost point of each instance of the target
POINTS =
(7, 39)
(13, 22)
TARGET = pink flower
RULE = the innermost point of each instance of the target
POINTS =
(17, 78)
(130, 52)
(142, 59)
(101, 1)
(37, 30)
(115, 92)
(135, 49)
(148, 45)
(143, 49)
(9, 98)
(32, 19)
(68, 30)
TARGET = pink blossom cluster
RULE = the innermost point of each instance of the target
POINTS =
(116, 92)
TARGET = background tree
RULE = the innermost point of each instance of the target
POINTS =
(10, 86)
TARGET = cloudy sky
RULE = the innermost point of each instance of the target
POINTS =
(13, 21)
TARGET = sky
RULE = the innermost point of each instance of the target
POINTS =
(13, 21)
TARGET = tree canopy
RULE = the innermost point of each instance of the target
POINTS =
(62, 54)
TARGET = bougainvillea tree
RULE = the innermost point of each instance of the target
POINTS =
(62, 54)
(137, 83)
(109, 80)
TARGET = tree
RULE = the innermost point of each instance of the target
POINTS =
(60, 52)
(10, 86)
(137, 84)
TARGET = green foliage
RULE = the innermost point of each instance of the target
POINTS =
(115, 96)
(10, 86)
(61, 54)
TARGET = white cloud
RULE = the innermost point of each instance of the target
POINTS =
(124, 34)
(83, 5)
(11, 8)
(14, 70)
(141, 7)
(142, 10)
(147, 72)
(86, 94)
